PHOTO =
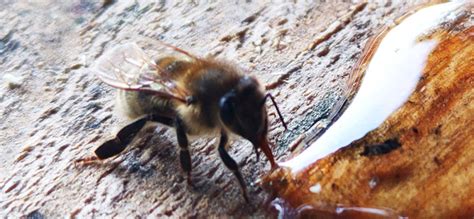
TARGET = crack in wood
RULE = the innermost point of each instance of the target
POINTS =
(334, 28)
(282, 78)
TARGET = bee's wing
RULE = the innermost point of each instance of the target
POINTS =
(128, 67)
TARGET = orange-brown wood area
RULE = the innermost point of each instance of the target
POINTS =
(431, 174)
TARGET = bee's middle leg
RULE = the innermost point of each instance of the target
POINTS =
(184, 155)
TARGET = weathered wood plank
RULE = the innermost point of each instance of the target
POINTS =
(303, 52)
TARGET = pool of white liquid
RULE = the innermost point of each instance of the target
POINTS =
(391, 76)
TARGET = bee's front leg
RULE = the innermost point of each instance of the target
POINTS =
(231, 164)
(184, 155)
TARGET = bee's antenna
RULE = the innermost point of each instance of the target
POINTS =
(276, 107)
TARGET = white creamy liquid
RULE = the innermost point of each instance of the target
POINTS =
(391, 77)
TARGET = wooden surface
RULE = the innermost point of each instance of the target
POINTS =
(57, 111)
(429, 173)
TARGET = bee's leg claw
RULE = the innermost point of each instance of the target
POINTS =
(185, 160)
(189, 180)
(86, 160)
(257, 153)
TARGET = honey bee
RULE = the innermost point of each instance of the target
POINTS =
(196, 96)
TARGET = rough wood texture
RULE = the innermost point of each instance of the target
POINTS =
(55, 111)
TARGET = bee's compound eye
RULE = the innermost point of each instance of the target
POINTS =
(227, 105)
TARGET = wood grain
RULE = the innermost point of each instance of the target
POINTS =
(302, 51)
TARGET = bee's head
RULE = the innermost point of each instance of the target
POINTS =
(243, 111)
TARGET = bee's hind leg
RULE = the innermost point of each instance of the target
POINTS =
(115, 146)
(184, 155)
(231, 164)
(124, 137)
